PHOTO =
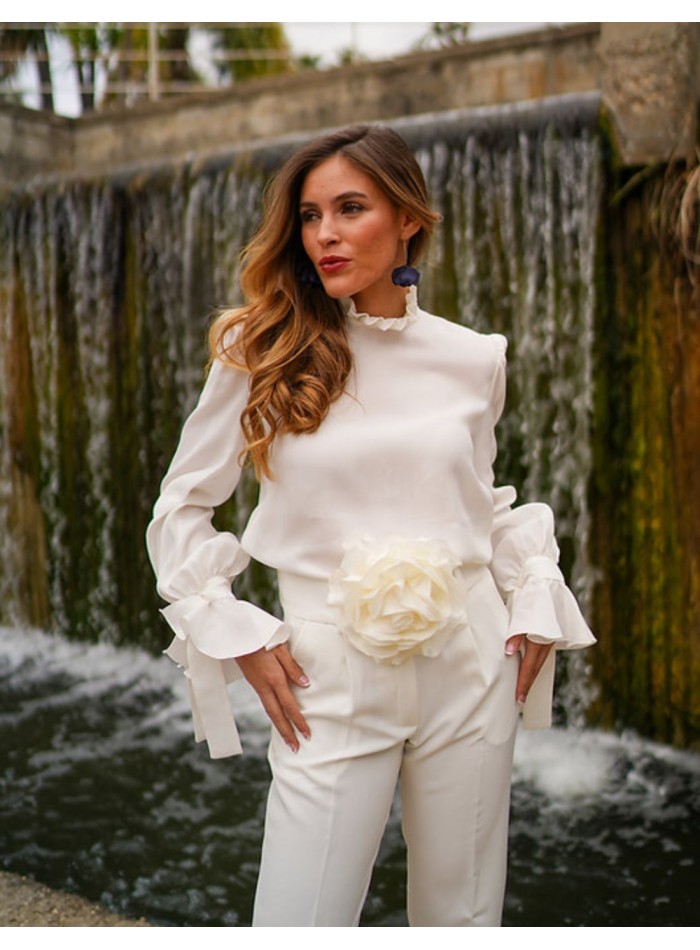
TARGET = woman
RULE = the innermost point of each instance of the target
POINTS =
(370, 424)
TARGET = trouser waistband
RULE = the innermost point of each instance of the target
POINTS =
(307, 597)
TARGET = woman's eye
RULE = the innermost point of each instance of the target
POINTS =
(308, 216)
(351, 207)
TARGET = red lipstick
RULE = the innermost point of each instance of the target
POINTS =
(332, 264)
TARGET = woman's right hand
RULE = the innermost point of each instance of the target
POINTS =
(270, 673)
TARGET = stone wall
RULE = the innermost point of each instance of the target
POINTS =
(648, 73)
(33, 143)
(510, 69)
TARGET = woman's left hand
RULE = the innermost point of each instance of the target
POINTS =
(532, 661)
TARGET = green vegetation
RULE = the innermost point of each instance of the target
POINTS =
(122, 64)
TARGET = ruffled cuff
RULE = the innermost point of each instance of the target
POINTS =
(212, 628)
(543, 608)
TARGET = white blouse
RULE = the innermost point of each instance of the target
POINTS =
(406, 451)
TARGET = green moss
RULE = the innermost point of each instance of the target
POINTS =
(642, 606)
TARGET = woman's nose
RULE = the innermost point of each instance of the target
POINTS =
(326, 233)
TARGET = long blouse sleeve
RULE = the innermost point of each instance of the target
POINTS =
(525, 566)
(195, 564)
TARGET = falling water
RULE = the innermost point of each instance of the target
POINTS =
(106, 290)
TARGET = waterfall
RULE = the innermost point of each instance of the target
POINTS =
(107, 287)
(106, 290)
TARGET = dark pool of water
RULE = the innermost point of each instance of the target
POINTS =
(104, 793)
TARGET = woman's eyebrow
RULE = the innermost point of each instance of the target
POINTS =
(345, 196)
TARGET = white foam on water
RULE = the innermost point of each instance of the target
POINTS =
(563, 763)
(576, 766)
(92, 670)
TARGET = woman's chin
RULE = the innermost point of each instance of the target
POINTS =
(336, 289)
(335, 293)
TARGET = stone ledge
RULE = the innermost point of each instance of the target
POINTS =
(510, 69)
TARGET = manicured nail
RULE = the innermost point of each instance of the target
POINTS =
(293, 746)
(511, 648)
(304, 680)
(522, 699)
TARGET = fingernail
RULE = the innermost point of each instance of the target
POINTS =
(511, 648)
(304, 680)
(306, 735)
(522, 699)
(293, 746)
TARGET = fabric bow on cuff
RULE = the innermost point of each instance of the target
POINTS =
(211, 628)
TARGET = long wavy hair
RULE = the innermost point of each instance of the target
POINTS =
(290, 335)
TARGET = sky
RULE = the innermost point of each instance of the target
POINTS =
(377, 40)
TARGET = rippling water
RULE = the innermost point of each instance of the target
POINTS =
(104, 793)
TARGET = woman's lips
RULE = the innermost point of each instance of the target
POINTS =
(331, 265)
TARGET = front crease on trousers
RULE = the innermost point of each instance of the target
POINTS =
(444, 724)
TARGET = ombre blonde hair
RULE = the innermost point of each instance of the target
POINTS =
(290, 335)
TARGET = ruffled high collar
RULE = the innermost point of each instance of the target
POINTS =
(386, 323)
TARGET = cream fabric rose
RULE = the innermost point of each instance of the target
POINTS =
(397, 597)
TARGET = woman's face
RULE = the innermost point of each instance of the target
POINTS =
(354, 236)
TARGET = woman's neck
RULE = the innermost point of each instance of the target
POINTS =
(389, 302)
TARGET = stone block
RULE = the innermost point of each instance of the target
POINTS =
(649, 76)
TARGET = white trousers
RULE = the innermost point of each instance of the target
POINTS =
(442, 727)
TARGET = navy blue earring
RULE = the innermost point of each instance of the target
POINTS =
(306, 274)
(405, 276)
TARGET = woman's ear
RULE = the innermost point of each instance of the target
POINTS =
(409, 226)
